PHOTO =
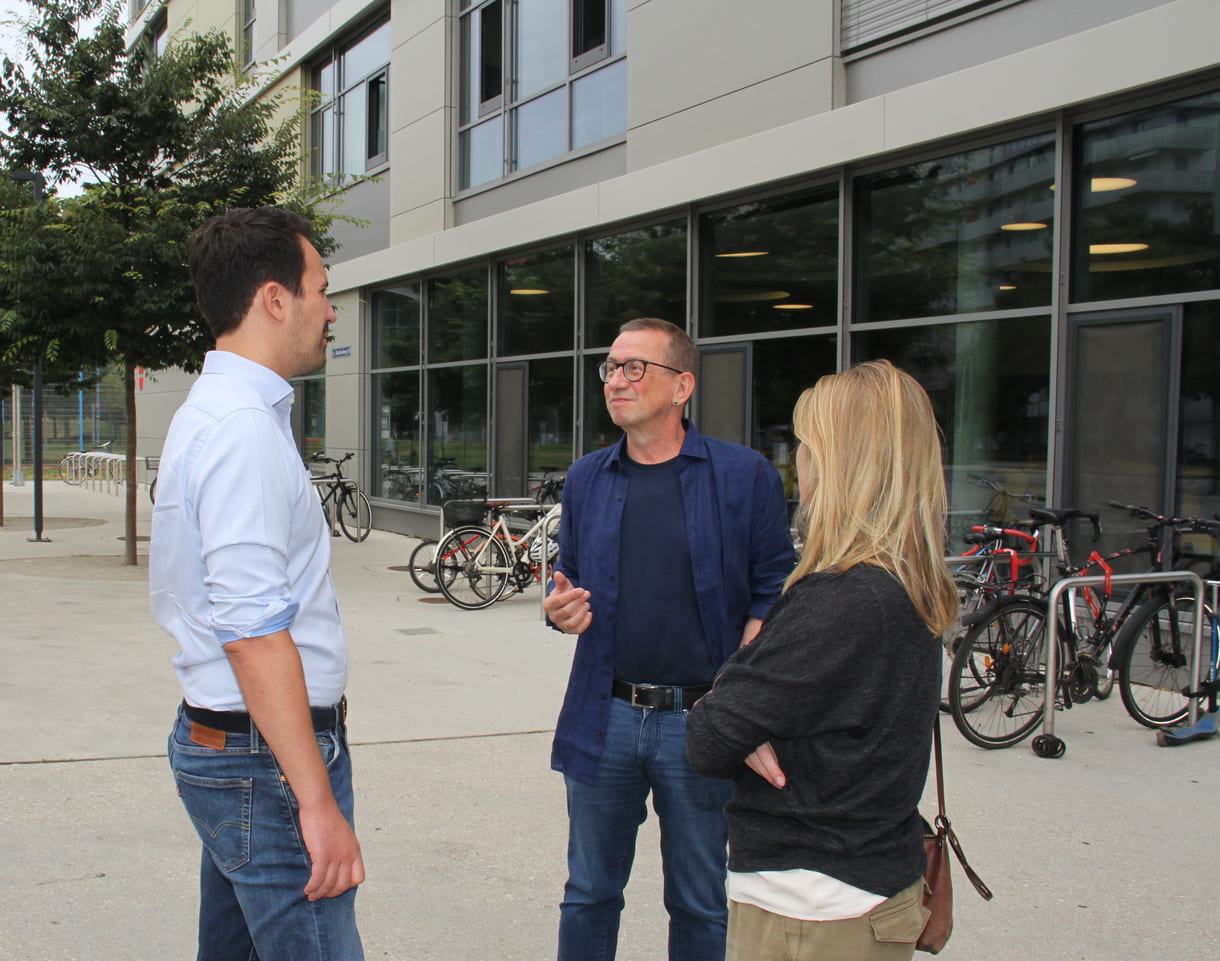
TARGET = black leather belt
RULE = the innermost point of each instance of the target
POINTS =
(657, 695)
(238, 722)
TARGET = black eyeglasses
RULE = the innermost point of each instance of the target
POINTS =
(633, 370)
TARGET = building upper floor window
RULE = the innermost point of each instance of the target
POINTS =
(246, 48)
(540, 78)
(349, 128)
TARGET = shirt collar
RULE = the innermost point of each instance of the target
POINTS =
(269, 385)
(692, 444)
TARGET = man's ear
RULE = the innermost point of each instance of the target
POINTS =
(684, 387)
(274, 299)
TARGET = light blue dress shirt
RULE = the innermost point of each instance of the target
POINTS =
(240, 546)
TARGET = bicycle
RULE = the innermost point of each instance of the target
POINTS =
(1154, 652)
(477, 566)
(351, 508)
(1002, 563)
(77, 466)
(1209, 686)
(997, 685)
(550, 490)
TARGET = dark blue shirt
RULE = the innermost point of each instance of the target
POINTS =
(740, 553)
(659, 639)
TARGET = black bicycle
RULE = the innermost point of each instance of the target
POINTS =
(343, 496)
(550, 489)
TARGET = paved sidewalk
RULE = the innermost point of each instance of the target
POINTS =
(1104, 854)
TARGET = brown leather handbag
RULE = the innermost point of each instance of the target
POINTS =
(937, 883)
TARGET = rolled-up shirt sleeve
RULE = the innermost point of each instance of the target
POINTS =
(239, 482)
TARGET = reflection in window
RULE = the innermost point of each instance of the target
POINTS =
(246, 46)
(780, 371)
(955, 235)
(549, 436)
(1198, 491)
(309, 414)
(537, 303)
(457, 315)
(399, 470)
(396, 314)
(989, 382)
(349, 120)
(550, 81)
(1147, 187)
(770, 265)
(637, 273)
(457, 433)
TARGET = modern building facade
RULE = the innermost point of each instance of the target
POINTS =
(1018, 201)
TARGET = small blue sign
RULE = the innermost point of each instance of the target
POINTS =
(338, 352)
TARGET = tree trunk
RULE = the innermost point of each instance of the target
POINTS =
(129, 392)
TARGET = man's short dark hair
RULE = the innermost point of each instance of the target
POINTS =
(681, 352)
(234, 253)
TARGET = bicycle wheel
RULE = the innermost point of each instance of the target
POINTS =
(422, 567)
(355, 514)
(471, 567)
(69, 470)
(1156, 646)
(997, 686)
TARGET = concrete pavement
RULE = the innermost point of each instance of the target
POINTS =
(1102, 854)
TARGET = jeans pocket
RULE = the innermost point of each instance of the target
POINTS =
(220, 810)
(900, 918)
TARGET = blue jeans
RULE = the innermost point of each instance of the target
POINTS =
(645, 750)
(252, 904)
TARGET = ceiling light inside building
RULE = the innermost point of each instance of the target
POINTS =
(528, 291)
(1116, 248)
(745, 253)
(1024, 225)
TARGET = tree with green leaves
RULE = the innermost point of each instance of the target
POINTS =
(168, 139)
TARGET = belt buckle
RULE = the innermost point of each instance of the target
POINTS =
(341, 709)
(637, 689)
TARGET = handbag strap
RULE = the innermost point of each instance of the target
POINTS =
(945, 827)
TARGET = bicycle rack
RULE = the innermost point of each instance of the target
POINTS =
(1046, 744)
(547, 522)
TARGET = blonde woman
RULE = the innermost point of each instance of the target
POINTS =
(824, 722)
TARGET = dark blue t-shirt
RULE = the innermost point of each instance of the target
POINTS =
(659, 637)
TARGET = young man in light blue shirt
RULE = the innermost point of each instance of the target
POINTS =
(239, 575)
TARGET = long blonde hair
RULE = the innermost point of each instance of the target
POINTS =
(877, 491)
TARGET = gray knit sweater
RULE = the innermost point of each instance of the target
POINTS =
(844, 681)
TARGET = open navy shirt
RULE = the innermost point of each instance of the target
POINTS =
(740, 553)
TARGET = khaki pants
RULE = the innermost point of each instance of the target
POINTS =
(886, 933)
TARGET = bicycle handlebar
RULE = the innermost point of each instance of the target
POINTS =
(1184, 524)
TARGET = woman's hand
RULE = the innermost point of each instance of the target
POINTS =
(765, 764)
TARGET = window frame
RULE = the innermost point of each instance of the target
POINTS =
(329, 111)
(505, 104)
(249, 16)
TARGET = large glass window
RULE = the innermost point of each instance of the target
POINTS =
(780, 370)
(1198, 491)
(396, 326)
(539, 78)
(549, 434)
(399, 471)
(770, 265)
(349, 121)
(959, 234)
(457, 433)
(537, 303)
(457, 315)
(637, 273)
(1146, 192)
(246, 46)
(989, 382)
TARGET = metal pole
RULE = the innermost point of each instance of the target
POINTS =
(38, 538)
(18, 470)
(1099, 580)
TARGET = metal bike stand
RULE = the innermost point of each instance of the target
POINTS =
(547, 523)
(1046, 744)
(507, 502)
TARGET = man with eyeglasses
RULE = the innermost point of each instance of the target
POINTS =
(672, 548)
